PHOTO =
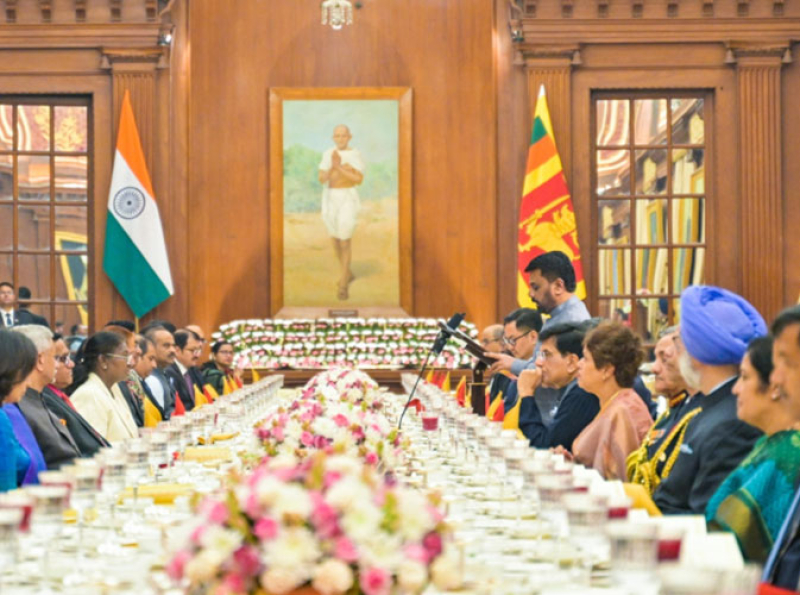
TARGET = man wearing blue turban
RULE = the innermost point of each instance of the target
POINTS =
(716, 327)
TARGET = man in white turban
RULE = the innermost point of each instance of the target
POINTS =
(340, 171)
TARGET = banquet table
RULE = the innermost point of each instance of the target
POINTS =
(510, 539)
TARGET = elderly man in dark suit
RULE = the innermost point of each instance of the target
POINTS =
(88, 439)
(57, 444)
(716, 327)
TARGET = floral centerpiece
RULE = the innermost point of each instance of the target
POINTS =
(328, 523)
(339, 411)
(325, 342)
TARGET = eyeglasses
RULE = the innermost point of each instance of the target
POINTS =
(62, 359)
(125, 356)
(224, 352)
(513, 340)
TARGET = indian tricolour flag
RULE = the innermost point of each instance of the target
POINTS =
(135, 254)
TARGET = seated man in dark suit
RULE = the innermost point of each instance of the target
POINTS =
(187, 352)
(57, 444)
(89, 441)
(561, 348)
(716, 327)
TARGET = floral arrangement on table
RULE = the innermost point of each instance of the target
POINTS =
(328, 523)
(321, 343)
(338, 411)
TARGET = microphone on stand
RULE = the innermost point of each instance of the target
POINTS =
(441, 340)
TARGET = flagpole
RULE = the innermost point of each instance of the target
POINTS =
(136, 324)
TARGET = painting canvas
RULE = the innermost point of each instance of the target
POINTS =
(340, 205)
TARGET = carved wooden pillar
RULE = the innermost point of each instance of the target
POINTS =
(552, 67)
(760, 175)
(135, 71)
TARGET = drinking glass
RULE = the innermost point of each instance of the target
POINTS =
(634, 553)
(10, 519)
(158, 452)
(84, 495)
(137, 466)
(50, 502)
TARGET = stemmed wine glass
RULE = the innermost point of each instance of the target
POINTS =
(137, 467)
(86, 485)
(158, 452)
(10, 519)
(50, 502)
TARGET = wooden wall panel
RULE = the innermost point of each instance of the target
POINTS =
(441, 49)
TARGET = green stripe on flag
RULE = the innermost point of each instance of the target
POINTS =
(539, 131)
(130, 272)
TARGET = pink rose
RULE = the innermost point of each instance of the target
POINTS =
(247, 561)
(216, 512)
(325, 519)
(371, 458)
(232, 584)
(277, 433)
(375, 581)
(341, 420)
(266, 528)
(176, 565)
(345, 550)
(331, 477)
(416, 552)
(197, 535)
(320, 442)
(432, 543)
(306, 439)
(251, 505)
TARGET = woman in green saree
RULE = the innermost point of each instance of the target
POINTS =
(753, 501)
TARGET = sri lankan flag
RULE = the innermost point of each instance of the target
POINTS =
(546, 216)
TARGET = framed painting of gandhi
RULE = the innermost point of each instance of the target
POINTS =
(340, 201)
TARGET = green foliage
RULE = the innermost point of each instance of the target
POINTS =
(302, 192)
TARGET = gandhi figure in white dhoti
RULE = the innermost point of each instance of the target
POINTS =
(340, 171)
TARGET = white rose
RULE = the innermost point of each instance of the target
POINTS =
(381, 550)
(362, 520)
(412, 576)
(415, 521)
(324, 427)
(348, 493)
(332, 577)
(201, 568)
(445, 572)
(281, 580)
(220, 543)
(267, 490)
(346, 466)
(293, 500)
(294, 547)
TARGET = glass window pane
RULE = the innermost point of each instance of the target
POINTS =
(651, 271)
(618, 310)
(688, 171)
(651, 221)
(652, 316)
(615, 271)
(71, 178)
(6, 177)
(33, 127)
(72, 315)
(70, 128)
(650, 121)
(6, 267)
(613, 122)
(33, 175)
(72, 279)
(34, 273)
(6, 127)
(71, 228)
(676, 311)
(688, 121)
(6, 228)
(614, 222)
(688, 221)
(34, 227)
(688, 267)
(613, 172)
(651, 171)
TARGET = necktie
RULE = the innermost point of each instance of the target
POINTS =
(189, 383)
(9, 320)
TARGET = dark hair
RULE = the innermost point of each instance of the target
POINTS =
(614, 344)
(760, 352)
(18, 357)
(102, 343)
(568, 337)
(57, 337)
(218, 345)
(126, 324)
(7, 284)
(143, 343)
(165, 324)
(786, 318)
(23, 293)
(182, 338)
(73, 330)
(525, 318)
(554, 265)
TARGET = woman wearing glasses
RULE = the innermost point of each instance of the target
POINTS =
(103, 361)
(218, 372)
(21, 458)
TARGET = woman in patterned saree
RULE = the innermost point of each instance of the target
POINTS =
(753, 501)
